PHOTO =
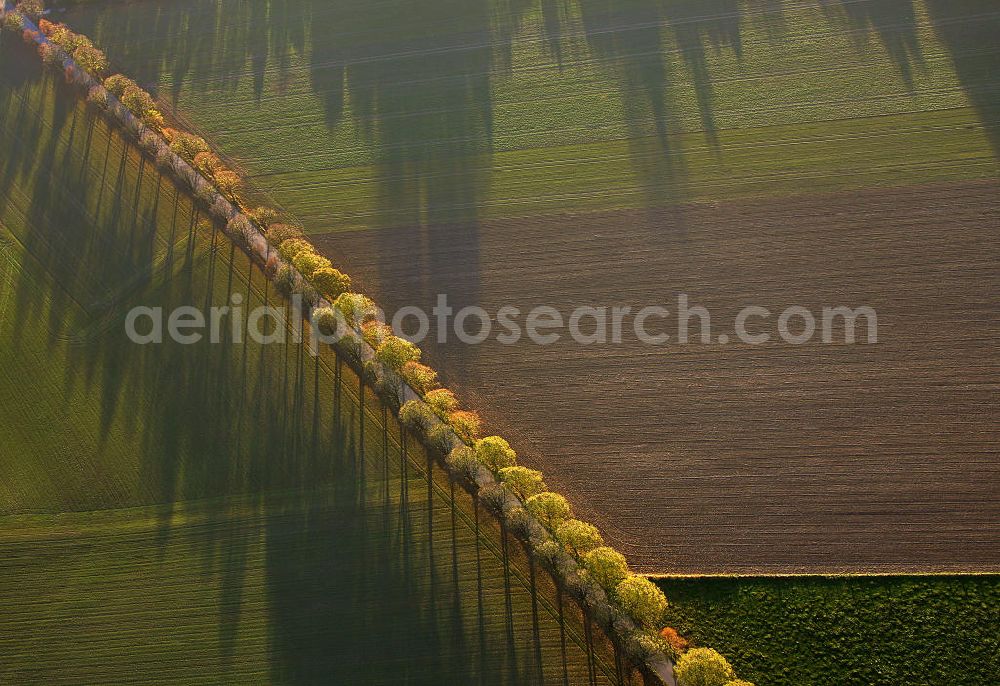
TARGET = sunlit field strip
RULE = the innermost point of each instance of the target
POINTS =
(539, 107)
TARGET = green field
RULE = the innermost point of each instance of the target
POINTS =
(357, 114)
(208, 513)
(842, 630)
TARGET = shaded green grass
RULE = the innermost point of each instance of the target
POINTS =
(96, 421)
(813, 630)
(369, 114)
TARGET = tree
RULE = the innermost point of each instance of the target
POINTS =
(416, 416)
(462, 460)
(355, 308)
(467, 425)
(71, 42)
(184, 144)
(606, 566)
(420, 377)
(31, 8)
(228, 182)
(495, 453)
(207, 163)
(442, 400)
(149, 142)
(290, 248)
(394, 352)
(522, 481)
(331, 282)
(91, 59)
(206, 192)
(676, 642)
(50, 54)
(441, 438)
(551, 509)
(374, 332)
(117, 84)
(285, 280)
(703, 667)
(739, 682)
(241, 228)
(263, 216)
(98, 97)
(579, 537)
(153, 118)
(279, 233)
(642, 599)
(326, 320)
(13, 21)
(308, 261)
(139, 102)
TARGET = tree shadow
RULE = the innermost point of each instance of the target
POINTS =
(414, 79)
(630, 38)
(894, 22)
(260, 441)
(250, 39)
(969, 30)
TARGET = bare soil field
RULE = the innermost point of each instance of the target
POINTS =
(711, 458)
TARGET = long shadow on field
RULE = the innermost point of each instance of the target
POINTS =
(368, 579)
(417, 77)
(894, 22)
(630, 38)
(969, 29)
(186, 39)
(102, 232)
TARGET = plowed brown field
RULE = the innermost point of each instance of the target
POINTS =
(709, 458)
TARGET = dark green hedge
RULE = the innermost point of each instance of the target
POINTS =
(814, 631)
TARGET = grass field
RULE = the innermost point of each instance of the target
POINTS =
(359, 114)
(208, 513)
(893, 630)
